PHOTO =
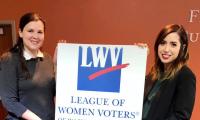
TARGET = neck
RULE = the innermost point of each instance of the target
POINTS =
(33, 53)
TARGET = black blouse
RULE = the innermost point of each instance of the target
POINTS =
(150, 97)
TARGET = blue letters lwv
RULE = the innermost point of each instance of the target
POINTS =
(93, 59)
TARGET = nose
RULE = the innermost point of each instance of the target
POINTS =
(35, 35)
(166, 48)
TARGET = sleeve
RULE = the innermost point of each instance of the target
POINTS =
(9, 87)
(184, 97)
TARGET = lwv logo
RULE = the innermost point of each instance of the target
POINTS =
(99, 68)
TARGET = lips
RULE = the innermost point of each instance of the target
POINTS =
(165, 56)
(34, 42)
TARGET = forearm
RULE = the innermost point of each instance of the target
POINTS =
(29, 115)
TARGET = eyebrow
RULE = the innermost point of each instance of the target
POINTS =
(173, 42)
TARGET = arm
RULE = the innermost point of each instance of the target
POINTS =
(185, 96)
(9, 89)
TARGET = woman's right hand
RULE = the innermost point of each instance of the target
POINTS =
(143, 45)
(29, 115)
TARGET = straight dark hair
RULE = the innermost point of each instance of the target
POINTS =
(19, 46)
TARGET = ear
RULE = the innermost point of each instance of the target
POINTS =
(20, 33)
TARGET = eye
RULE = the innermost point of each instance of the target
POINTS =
(163, 42)
(30, 30)
(41, 32)
(173, 44)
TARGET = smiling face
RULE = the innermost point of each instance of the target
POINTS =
(168, 49)
(33, 36)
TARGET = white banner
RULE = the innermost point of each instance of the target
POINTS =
(100, 82)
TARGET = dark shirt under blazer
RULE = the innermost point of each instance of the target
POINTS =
(175, 99)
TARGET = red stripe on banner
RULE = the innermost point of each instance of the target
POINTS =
(107, 70)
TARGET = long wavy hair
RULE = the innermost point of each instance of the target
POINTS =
(158, 71)
(19, 46)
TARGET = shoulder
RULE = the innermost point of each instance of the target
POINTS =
(47, 57)
(9, 60)
(186, 74)
(186, 71)
(6, 56)
(9, 57)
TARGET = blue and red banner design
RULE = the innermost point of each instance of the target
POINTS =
(99, 82)
(99, 69)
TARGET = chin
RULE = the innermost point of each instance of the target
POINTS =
(165, 61)
(35, 49)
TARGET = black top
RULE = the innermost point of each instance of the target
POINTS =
(36, 93)
(149, 99)
(175, 98)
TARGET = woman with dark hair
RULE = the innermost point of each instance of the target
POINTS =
(27, 81)
(170, 85)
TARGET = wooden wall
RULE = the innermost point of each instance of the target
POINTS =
(113, 22)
